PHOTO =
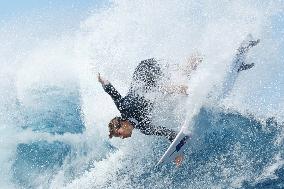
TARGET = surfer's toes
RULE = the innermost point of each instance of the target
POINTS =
(245, 67)
(249, 66)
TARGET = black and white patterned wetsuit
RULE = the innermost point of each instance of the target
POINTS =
(134, 107)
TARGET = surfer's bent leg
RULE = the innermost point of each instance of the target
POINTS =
(242, 52)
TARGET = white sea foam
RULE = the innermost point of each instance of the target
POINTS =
(113, 41)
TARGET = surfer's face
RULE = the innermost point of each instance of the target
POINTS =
(125, 130)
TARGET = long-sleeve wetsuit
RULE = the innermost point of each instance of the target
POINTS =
(136, 109)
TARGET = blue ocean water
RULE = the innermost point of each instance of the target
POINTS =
(230, 147)
(54, 112)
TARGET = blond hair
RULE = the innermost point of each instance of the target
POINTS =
(113, 125)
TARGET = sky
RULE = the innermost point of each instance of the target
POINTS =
(15, 8)
(45, 18)
(7, 8)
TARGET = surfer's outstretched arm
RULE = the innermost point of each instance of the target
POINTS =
(108, 88)
(174, 89)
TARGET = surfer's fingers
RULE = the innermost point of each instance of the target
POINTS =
(99, 77)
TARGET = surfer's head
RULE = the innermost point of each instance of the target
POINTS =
(119, 127)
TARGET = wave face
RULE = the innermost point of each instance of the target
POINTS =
(54, 112)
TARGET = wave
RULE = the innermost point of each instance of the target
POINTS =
(228, 149)
(54, 113)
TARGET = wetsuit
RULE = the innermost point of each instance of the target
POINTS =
(134, 107)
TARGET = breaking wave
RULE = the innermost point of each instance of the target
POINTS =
(54, 112)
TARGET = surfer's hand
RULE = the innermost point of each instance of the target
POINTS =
(101, 80)
(181, 89)
(178, 160)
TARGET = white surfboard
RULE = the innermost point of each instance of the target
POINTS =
(182, 139)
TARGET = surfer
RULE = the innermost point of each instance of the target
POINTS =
(134, 108)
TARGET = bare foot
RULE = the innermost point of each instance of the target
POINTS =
(178, 160)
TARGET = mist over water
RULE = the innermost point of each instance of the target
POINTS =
(54, 112)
